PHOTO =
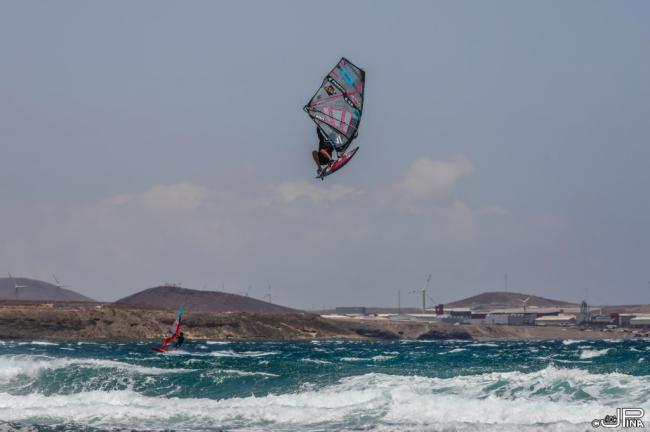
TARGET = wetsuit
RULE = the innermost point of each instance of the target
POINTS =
(179, 341)
(323, 143)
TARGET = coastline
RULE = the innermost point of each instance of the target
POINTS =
(102, 322)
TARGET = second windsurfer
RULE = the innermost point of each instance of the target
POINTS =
(179, 340)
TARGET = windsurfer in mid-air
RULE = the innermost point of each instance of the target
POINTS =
(336, 109)
(322, 156)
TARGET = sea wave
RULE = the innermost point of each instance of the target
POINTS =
(571, 341)
(316, 361)
(42, 343)
(231, 353)
(12, 366)
(453, 351)
(587, 354)
(564, 398)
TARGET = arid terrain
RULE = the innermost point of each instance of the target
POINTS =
(97, 321)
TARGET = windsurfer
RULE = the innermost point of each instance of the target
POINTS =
(179, 340)
(322, 156)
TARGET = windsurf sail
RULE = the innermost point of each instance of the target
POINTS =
(175, 329)
(337, 105)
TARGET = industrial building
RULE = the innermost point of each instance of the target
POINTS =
(556, 320)
(602, 320)
(624, 319)
(640, 321)
(352, 310)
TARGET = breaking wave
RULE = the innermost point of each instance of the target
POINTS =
(324, 386)
(587, 354)
(562, 397)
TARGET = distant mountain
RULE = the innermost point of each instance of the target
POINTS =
(31, 289)
(172, 297)
(497, 300)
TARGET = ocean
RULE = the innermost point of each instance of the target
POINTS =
(322, 386)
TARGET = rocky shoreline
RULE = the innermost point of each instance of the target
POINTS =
(96, 321)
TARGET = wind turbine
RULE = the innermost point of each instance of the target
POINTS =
(58, 284)
(424, 294)
(247, 292)
(269, 295)
(16, 286)
(524, 302)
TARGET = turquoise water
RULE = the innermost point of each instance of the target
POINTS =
(322, 386)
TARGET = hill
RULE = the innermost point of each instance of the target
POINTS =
(503, 300)
(36, 290)
(171, 297)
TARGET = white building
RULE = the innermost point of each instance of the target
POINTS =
(640, 321)
(556, 320)
(625, 319)
(496, 319)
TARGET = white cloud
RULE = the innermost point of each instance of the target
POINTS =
(428, 179)
(292, 231)
(167, 198)
(292, 191)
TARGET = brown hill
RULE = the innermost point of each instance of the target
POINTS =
(498, 300)
(36, 290)
(171, 297)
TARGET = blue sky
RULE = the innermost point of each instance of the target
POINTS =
(153, 141)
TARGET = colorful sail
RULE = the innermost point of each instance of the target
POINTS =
(337, 106)
(175, 329)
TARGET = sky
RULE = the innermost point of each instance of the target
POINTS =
(156, 141)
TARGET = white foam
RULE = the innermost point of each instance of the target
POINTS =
(31, 365)
(382, 357)
(587, 354)
(486, 344)
(231, 353)
(455, 350)
(544, 399)
(217, 342)
(246, 373)
(177, 352)
(571, 341)
(316, 361)
(43, 343)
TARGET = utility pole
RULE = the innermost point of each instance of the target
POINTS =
(424, 302)
(505, 281)
(424, 294)
(399, 302)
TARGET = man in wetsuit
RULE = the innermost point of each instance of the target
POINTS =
(179, 340)
(322, 156)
